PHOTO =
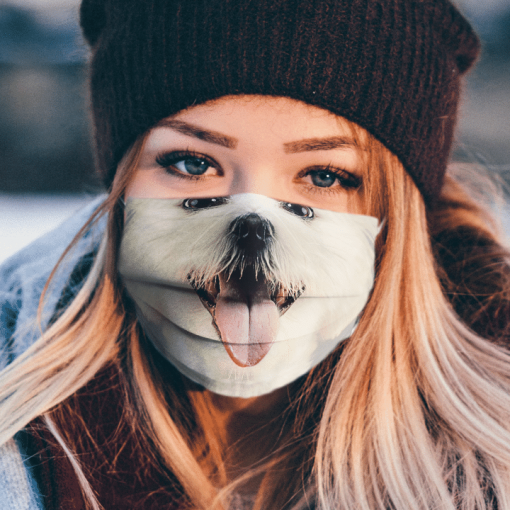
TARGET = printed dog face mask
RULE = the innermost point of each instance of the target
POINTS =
(244, 294)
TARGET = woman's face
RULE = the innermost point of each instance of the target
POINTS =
(277, 147)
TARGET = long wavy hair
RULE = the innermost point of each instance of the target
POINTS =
(411, 413)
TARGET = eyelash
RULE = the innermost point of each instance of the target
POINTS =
(168, 159)
(346, 180)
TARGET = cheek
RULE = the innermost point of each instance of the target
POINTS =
(139, 187)
(153, 183)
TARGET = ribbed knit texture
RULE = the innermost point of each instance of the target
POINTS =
(391, 66)
(16, 488)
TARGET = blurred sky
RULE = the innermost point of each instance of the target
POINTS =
(27, 217)
(41, 4)
(476, 6)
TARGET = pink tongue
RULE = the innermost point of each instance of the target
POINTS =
(247, 329)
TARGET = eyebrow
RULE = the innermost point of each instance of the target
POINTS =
(197, 132)
(319, 144)
(306, 145)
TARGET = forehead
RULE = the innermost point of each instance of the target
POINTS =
(265, 117)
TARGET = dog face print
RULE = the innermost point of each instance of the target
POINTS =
(246, 272)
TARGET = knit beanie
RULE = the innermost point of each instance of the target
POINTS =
(392, 66)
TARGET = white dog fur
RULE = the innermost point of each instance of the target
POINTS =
(331, 256)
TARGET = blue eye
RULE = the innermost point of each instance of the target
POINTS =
(192, 166)
(186, 164)
(323, 178)
(328, 177)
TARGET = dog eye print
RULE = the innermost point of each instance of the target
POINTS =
(238, 284)
(195, 204)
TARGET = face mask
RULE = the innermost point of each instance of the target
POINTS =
(244, 294)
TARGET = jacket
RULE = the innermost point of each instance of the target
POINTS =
(22, 279)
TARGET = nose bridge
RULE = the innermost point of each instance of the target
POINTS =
(256, 177)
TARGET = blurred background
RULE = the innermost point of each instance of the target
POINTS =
(46, 167)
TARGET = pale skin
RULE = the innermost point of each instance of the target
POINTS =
(277, 147)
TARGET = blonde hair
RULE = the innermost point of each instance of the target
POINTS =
(412, 412)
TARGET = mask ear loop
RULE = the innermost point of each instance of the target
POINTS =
(122, 203)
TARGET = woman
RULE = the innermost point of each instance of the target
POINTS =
(215, 336)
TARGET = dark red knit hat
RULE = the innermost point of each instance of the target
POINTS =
(391, 66)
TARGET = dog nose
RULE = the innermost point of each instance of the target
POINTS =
(252, 232)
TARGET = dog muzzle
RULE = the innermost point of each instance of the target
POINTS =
(244, 294)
